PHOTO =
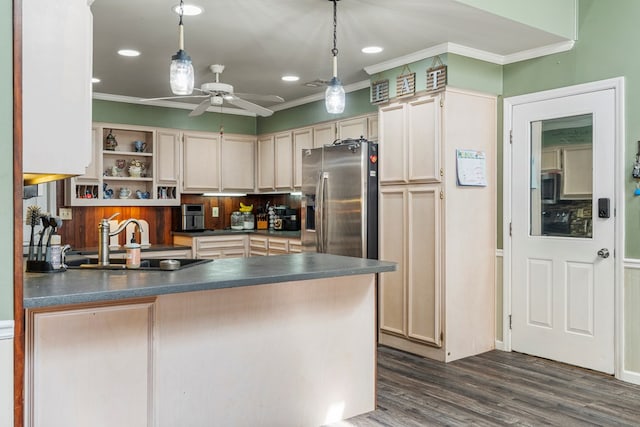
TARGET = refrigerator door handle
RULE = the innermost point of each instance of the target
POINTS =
(320, 214)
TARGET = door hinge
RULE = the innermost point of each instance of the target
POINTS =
(441, 336)
(511, 136)
(442, 101)
(510, 229)
(442, 194)
(510, 322)
(441, 172)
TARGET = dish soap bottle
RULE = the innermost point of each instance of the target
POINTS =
(133, 252)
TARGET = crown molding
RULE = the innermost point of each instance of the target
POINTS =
(470, 52)
(318, 96)
(169, 104)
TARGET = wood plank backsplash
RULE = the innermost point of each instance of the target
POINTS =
(82, 230)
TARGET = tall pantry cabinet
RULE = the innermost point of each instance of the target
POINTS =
(440, 302)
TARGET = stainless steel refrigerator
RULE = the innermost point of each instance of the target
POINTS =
(340, 199)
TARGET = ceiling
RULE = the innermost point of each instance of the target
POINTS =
(259, 41)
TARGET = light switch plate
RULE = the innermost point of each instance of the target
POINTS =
(214, 212)
(65, 214)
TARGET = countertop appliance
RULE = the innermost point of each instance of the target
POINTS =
(192, 217)
(339, 206)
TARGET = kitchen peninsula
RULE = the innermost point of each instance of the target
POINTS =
(285, 340)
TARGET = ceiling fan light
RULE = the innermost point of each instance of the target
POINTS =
(334, 97)
(181, 74)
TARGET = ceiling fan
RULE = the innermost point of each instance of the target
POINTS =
(217, 92)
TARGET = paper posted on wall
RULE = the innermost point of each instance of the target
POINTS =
(471, 167)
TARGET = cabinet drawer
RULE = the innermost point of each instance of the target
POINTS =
(295, 246)
(278, 246)
(222, 242)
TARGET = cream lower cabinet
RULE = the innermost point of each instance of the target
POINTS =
(410, 297)
(90, 366)
(440, 303)
(264, 245)
(214, 247)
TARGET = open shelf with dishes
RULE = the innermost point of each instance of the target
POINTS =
(123, 170)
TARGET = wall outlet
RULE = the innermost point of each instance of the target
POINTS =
(65, 213)
(214, 212)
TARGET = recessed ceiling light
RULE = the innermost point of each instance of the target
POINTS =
(128, 52)
(187, 9)
(372, 49)
(95, 80)
(290, 78)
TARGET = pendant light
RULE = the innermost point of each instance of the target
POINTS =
(181, 70)
(334, 96)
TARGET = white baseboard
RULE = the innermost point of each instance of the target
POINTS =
(629, 376)
(6, 329)
(500, 345)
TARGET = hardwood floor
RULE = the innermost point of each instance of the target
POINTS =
(495, 389)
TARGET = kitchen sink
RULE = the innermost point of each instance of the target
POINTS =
(145, 264)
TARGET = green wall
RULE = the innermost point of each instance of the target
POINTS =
(356, 103)
(606, 48)
(147, 115)
(554, 16)
(6, 160)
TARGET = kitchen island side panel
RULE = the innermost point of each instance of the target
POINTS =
(296, 353)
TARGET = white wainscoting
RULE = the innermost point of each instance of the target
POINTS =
(6, 372)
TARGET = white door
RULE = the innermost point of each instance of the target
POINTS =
(562, 245)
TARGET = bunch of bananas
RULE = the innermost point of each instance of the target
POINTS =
(245, 208)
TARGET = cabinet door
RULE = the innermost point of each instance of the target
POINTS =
(423, 263)
(238, 163)
(278, 246)
(200, 166)
(353, 128)
(391, 247)
(93, 171)
(302, 140)
(258, 246)
(167, 154)
(91, 366)
(373, 127)
(283, 161)
(577, 171)
(423, 139)
(57, 47)
(266, 163)
(392, 148)
(324, 134)
(551, 158)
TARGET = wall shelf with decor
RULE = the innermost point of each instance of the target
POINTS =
(124, 170)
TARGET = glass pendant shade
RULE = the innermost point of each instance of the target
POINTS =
(181, 74)
(334, 97)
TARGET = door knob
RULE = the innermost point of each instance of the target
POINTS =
(603, 253)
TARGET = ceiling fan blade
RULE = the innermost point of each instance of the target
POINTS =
(201, 108)
(250, 106)
(256, 97)
(172, 97)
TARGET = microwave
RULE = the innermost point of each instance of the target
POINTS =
(550, 187)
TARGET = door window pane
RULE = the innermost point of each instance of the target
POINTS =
(561, 185)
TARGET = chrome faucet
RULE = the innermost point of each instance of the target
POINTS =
(104, 232)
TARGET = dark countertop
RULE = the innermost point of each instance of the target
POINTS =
(273, 233)
(82, 286)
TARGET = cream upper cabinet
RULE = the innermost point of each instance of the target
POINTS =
(577, 172)
(353, 128)
(201, 160)
(167, 156)
(92, 172)
(266, 163)
(302, 140)
(283, 161)
(238, 163)
(410, 141)
(57, 48)
(440, 303)
(324, 134)
(373, 124)
(551, 159)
